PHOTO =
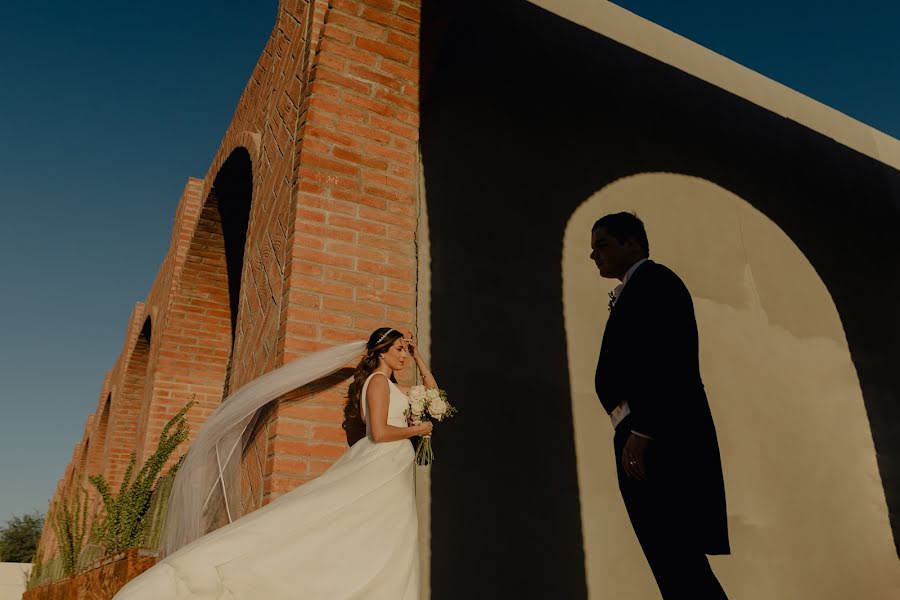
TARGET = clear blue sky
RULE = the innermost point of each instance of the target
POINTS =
(107, 107)
(844, 55)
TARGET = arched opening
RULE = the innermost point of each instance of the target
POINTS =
(73, 476)
(796, 445)
(233, 189)
(83, 460)
(97, 456)
(145, 430)
(202, 324)
(124, 437)
(82, 475)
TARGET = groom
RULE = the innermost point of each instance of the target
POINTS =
(648, 380)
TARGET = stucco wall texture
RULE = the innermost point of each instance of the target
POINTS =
(12, 580)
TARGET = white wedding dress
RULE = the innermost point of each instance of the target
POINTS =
(350, 533)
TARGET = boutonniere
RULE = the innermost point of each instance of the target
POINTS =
(614, 296)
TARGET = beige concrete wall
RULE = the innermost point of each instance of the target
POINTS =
(636, 32)
(423, 336)
(806, 506)
(807, 510)
(12, 580)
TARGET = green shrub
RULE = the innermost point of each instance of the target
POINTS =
(68, 519)
(129, 517)
(35, 578)
(19, 538)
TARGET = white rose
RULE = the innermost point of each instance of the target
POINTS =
(417, 406)
(437, 408)
(417, 392)
(433, 394)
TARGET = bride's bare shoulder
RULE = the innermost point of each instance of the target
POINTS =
(377, 384)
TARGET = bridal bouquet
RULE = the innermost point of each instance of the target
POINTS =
(427, 405)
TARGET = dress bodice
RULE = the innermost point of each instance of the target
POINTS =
(396, 408)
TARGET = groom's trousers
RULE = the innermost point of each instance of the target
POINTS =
(657, 509)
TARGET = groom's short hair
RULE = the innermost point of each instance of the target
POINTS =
(624, 226)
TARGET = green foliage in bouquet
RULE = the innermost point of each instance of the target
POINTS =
(427, 405)
(68, 520)
(133, 515)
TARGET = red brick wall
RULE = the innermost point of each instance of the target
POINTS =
(99, 436)
(329, 120)
(127, 409)
(98, 582)
(196, 340)
(352, 266)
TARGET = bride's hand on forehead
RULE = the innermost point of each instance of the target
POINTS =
(410, 341)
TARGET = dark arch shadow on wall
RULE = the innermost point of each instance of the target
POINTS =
(524, 116)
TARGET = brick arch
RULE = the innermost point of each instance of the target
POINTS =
(330, 233)
(70, 480)
(232, 191)
(234, 143)
(197, 343)
(127, 406)
(195, 198)
(147, 431)
(97, 456)
(245, 141)
(83, 458)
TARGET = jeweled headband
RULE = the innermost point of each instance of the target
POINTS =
(384, 335)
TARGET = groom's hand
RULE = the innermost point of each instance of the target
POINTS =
(633, 457)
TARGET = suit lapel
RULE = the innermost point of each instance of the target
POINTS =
(629, 287)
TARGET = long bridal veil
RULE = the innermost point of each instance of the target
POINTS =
(208, 483)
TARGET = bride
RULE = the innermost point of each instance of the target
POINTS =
(350, 533)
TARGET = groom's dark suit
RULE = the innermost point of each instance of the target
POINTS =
(649, 359)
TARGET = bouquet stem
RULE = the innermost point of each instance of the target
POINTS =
(424, 453)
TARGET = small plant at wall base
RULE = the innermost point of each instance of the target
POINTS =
(68, 519)
(37, 571)
(129, 516)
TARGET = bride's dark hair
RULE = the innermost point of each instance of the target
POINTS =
(380, 340)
